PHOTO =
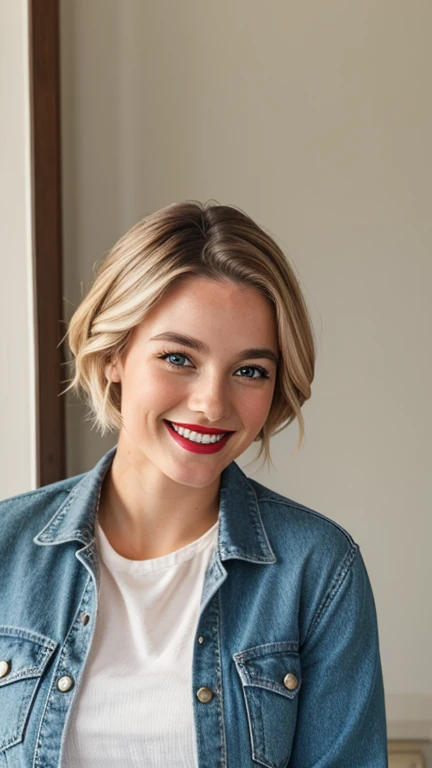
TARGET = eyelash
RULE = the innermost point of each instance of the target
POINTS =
(263, 371)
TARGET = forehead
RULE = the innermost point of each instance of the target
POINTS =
(200, 306)
(224, 315)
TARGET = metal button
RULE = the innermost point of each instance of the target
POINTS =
(4, 668)
(205, 695)
(290, 681)
(84, 618)
(65, 683)
(200, 640)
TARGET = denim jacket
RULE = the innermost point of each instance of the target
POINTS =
(288, 649)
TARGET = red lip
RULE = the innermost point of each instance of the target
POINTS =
(197, 447)
(202, 430)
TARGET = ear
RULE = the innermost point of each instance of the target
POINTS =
(112, 373)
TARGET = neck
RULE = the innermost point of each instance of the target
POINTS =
(146, 516)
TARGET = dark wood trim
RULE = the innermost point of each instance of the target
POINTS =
(47, 229)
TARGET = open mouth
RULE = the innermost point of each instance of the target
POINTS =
(197, 442)
(200, 438)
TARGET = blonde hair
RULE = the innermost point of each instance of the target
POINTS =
(209, 240)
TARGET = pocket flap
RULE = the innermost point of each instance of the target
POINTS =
(274, 666)
(25, 653)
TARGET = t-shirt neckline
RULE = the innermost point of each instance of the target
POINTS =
(117, 562)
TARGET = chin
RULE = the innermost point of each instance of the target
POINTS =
(195, 477)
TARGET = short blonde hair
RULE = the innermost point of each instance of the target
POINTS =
(209, 240)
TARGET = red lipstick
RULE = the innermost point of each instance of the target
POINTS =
(189, 445)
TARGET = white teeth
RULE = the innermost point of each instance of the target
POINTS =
(197, 437)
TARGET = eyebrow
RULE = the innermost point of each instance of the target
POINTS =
(199, 346)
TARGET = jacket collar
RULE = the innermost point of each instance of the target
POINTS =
(241, 529)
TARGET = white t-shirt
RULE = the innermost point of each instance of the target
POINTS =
(133, 707)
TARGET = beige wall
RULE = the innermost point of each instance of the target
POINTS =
(17, 350)
(316, 119)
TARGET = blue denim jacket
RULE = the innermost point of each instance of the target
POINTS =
(290, 648)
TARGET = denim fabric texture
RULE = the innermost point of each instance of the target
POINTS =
(290, 645)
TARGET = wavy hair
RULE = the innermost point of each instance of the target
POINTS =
(214, 241)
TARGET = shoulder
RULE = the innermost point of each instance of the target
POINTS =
(317, 557)
(293, 511)
(35, 505)
(299, 533)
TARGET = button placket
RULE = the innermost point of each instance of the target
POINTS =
(69, 667)
(207, 683)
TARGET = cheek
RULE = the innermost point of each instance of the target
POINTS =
(150, 390)
(254, 408)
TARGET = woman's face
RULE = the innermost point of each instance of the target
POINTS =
(223, 385)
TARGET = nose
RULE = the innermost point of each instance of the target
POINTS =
(210, 396)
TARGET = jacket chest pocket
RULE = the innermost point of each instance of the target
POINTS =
(23, 658)
(271, 679)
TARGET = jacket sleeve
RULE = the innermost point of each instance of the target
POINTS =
(341, 720)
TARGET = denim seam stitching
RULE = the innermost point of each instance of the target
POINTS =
(260, 652)
(303, 508)
(334, 588)
(261, 531)
(221, 717)
(26, 635)
(60, 668)
(270, 685)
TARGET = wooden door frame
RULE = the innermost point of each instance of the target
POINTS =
(44, 47)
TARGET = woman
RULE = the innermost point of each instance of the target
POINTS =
(163, 608)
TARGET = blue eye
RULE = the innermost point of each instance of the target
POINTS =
(263, 373)
(174, 354)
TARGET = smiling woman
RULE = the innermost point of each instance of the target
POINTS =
(204, 381)
(186, 240)
(186, 615)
